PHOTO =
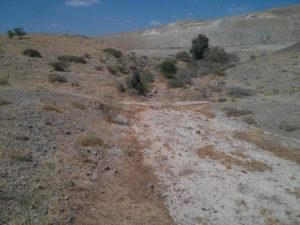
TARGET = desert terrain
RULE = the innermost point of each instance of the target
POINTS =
(79, 146)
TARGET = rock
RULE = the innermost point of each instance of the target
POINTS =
(121, 120)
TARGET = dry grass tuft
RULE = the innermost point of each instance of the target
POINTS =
(52, 78)
(18, 155)
(90, 141)
(3, 102)
(233, 112)
(78, 105)
(237, 158)
(52, 108)
(272, 146)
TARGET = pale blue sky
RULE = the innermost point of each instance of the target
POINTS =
(97, 17)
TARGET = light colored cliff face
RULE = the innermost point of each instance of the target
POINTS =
(275, 26)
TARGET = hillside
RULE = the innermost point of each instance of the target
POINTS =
(94, 135)
(278, 26)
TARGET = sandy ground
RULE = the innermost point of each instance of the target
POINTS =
(208, 176)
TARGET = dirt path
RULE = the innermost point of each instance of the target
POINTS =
(208, 176)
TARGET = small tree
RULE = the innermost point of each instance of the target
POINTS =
(19, 31)
(10, 34)
(199, 46)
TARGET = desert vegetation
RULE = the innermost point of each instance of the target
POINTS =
(72, 59)
(17, 31)
(32, 53)
(59, 65)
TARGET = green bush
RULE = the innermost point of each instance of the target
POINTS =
(168, 68)
(52, 78)
(32, 53)
(183, 56)
(114, 52)
(135, 83)
(199, 46)
(147, 77)
(72, 58)
(59, 65)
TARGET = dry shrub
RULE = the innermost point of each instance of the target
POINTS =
(90, 141)
(250, 121)
(59, 66)
(52, 78)
(183, 56)
(237, 158)
(114, 52)
(4, 81)
(72, 58)
(269, 145)
(112, 70)
(18, 155)
(233, 112)
(99, 68)
(78, 105)
(4, 102)
(52, 108)
(32, 53)
(239, 92)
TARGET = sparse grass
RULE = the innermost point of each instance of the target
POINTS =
(78, 105)
(4, 81)
(269, 145)
(3, 102)
(52, 78)
(114, 52)
(72, 58)
(52, 108)
(18, 155)
(233, 112)
(238, 92)
(32, 53)
(59, 65)
(112, 70)
(236, 158)
(90, 141)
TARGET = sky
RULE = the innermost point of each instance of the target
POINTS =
(101, 17)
